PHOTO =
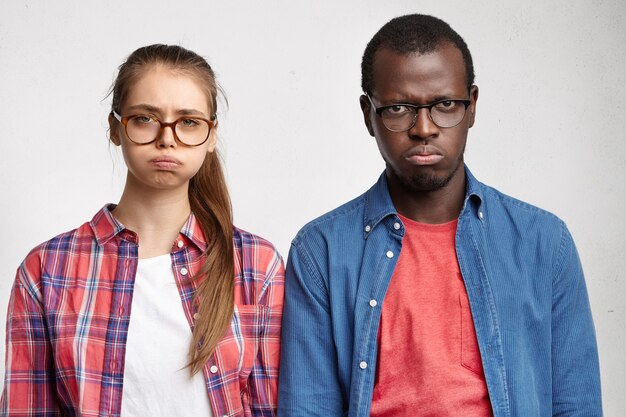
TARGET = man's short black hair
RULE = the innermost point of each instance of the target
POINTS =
(413, 33)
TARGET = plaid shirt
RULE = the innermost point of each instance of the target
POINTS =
(70, 308)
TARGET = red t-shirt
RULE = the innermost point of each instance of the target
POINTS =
(428, 358)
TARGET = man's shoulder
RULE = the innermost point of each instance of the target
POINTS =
(522, 210)
(495, 196)
(345, 217)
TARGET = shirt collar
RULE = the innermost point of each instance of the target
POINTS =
(473, 187)
(105, 226)
(474, 194)
(194, 233)
(378, 204)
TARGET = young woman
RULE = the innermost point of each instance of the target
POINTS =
(158, 306)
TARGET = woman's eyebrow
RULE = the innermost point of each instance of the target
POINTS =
(153, 109)
(188, 112)
(146, 107)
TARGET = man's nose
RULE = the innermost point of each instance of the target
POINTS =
(424, 126)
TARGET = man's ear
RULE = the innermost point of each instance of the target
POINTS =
(472, 107)
(113, 130)
(366, 109)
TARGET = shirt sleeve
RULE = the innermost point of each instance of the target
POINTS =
(575, 369)
(263, 381)
(29, 383)
(309, 384)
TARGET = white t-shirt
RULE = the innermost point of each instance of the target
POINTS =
(156, 381)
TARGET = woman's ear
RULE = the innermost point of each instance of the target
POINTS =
(113, 129)
(212, 138)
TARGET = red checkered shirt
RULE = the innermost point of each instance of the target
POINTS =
(70, 308)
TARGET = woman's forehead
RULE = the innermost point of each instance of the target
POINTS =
(169, 88)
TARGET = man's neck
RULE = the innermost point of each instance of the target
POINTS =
(433, 207)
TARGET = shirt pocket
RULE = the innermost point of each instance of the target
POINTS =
(239, 349)
(470, 353)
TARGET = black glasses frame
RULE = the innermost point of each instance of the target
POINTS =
(172, 125)
(379, 111)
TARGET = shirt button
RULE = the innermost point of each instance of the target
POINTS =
(389, 254)
(373, 303)
(195, 316)
(481, 215)
(184, 271)
(368, 228)
(396, 226)
(213, 369)
(363, 365)
(180, 244)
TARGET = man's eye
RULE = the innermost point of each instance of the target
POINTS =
(397, 110)
(446, 105)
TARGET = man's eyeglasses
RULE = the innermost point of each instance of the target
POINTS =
(402, 117)
(143, 129)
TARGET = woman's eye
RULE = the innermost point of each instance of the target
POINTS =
(143, 119)
(189, 122)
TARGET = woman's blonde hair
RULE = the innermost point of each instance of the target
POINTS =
(208, 197)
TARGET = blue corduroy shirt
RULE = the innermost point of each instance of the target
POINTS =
(524, 282)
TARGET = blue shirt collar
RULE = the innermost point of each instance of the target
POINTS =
(378, 204)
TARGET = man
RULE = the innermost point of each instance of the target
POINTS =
(433, 294)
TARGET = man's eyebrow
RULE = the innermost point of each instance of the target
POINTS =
(405, 100)
(444, 97)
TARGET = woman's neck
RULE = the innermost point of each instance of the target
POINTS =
(155, 215)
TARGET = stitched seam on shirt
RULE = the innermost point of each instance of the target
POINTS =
(563, 253)
(270, 274)
(29, 286)
(243, 238)
(317, 279)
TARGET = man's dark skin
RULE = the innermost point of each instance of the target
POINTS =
(424, 164)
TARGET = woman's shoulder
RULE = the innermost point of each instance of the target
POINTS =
(69, 241)
(64, 246)
(245, 241)
(257, 261)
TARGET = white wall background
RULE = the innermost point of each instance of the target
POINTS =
(550, 125)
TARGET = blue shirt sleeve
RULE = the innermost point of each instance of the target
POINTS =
(308, 381)
(575, 370)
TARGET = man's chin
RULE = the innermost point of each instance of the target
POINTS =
(425, 182)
